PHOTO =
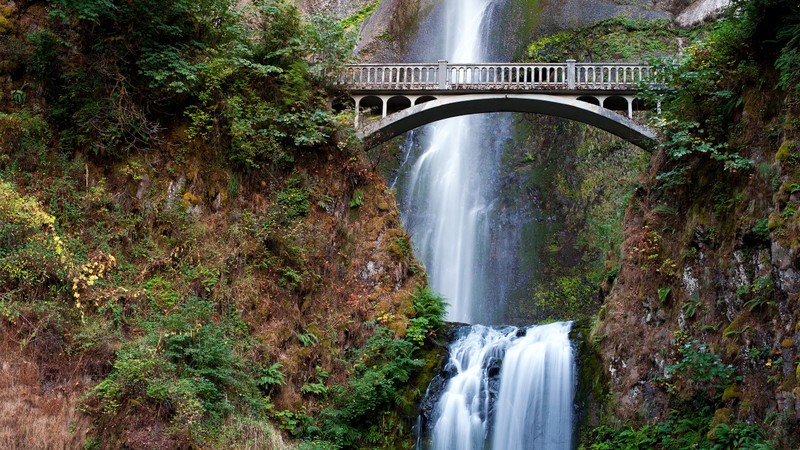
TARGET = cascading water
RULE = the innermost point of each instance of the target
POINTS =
(508, 388)
(537, 388)
(447, 183)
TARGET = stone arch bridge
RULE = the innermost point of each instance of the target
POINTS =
(406, 96)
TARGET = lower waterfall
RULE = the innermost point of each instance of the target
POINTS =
(508, 388)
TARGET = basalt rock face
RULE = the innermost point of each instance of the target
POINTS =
(718, 274)
(387, 33)
(396, 31)
(570, 14)
(334, 8)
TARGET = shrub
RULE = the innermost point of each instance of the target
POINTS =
(186, 366)
(32, 254)
(700, 373)
(430, 309)
(380, 370)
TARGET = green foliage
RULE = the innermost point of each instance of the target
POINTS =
(308, 339)
(566, 293)
(186, 366)
(359, 16)
(248, 78)
(319, 389)
(32, 254)
(296, 423)
(358, 198)
(331, 44)
(380, 370)
(680, 430)
(699, 374)
(379, 373)
(663, 294)
(159, 39)
(18, 96)
(686, 139)
(271, 377)
(760, 292)
(430, 310)
(613, 39)
(294, 200)
(695, 385)
(690, 306)
(773, 28)
(594, 188)
(44, 63)
(739, 435)
(788, 64)
(761, 230)
(703, 90)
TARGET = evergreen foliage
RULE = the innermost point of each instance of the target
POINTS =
(249, 77)
(704, 90)
(131, 280)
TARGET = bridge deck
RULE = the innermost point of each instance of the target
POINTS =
(444, 78)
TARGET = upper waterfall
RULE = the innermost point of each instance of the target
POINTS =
(447, 193)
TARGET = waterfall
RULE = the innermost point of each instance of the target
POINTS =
(509, 389)
(506, 387)
(537, 389)
(447, 184)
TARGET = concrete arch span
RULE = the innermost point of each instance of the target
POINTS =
(445, 107)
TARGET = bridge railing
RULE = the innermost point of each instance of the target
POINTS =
(613, 76)
(393, 77)
(444, 76)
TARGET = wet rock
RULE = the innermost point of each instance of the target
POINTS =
(196, 211)
(785, 402)
(741, 277)
(174, 188)
(784, 261)
(700, 11)
(143, 185)
(370, 270)
(216, 205)
(690, 282)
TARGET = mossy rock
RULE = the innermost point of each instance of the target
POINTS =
(732, 333)
(6, 27)
(775, 221)
(731, 392)
(787, 343)
(737, 326)
(721, 416)
(786, 151)
(191, 199)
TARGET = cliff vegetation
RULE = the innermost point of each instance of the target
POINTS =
(194, 250)
(698, 337)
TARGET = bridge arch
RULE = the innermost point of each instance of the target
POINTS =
(369, 102)
(459, 105)
(398, 103)
(589, 99)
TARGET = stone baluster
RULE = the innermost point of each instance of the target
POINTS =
(442, 74)
(570, 74)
